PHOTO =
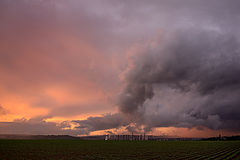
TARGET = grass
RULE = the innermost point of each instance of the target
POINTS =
(81, 149)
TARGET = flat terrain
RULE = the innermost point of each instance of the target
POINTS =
(83, 149)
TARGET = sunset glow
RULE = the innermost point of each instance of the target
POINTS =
(117, 67)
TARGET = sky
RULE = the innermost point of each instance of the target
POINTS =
(162, 67)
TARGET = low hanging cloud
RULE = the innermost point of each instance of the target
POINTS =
(38, 126)
(107, 121)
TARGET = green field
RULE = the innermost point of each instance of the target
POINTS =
(83, 149)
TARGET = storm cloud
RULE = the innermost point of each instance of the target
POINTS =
(189, 75)
(186, 81)
(107, 121)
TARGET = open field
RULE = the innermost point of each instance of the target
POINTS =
(83, 149)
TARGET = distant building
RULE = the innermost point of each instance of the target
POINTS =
(146, 137)
(127, 137)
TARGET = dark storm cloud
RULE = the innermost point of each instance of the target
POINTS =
(108, 121)
(200, 64)
(190, 75)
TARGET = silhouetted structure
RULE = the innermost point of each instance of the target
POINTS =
(127, 137)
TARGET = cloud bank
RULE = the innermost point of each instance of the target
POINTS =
(38, 126)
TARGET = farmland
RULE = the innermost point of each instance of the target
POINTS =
(84, 149)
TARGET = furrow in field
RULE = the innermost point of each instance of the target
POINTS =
(223, 156)
(201, 155)
(234, 155)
